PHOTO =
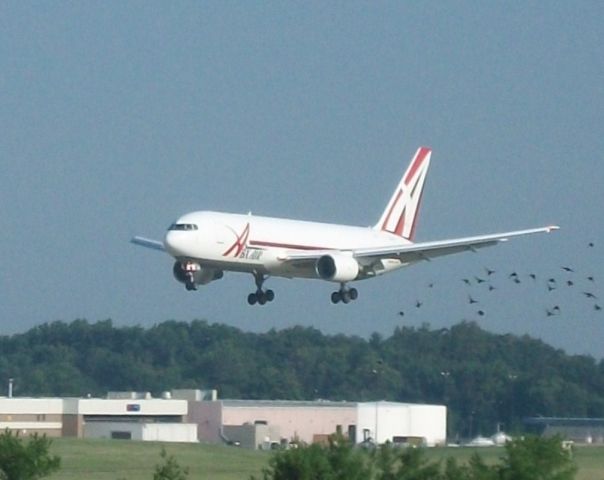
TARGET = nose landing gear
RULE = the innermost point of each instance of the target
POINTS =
(190, 284)
(344, 294)
(189, 269)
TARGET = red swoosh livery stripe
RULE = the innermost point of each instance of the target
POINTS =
(262, 243)
(239, 243)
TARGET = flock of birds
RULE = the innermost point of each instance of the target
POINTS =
(490, 281)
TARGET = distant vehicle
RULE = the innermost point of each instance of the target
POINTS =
(481, 442)
(205, 244)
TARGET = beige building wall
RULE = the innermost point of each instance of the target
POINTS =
(253, 436)
(32, 415)
(73, 426)
(296, 421)
(208, 417)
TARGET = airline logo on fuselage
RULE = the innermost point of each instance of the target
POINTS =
(240, 243)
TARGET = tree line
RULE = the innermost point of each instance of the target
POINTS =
(526, 458)
(485, 379)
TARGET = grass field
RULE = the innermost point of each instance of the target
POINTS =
(127, 460)
(590, 459)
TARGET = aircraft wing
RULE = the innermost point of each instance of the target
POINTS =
(412, 252)
(148, 243)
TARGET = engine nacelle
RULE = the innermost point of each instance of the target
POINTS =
(337, 268)
(201, 276)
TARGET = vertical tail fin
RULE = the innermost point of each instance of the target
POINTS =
(400, 215)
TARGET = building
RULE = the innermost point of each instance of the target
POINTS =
(192, 415)
(314, 421)
(132, 416)
(579, 430)
(406, 423)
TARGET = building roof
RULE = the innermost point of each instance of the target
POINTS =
(287, 403)
(316, 404)
(565, 421)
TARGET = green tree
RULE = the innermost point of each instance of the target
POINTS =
(346, 461)
(169, 469)
(404, 464)
(340, 460)
(537, 458)
(20, 460)
(476, 469)
(302, 463)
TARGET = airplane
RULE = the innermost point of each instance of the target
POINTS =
(205, 244)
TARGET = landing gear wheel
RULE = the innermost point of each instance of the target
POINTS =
(335, 297)
(190, 282)
(260, 297)
(344, 295)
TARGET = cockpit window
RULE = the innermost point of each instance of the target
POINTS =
(183, 226)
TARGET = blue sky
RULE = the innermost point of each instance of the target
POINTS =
(117, 117)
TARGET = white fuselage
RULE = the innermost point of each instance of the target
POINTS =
(249, 243)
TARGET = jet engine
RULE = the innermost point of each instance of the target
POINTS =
(201, 276)
(337, 268)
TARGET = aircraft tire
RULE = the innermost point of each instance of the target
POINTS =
(252, 299)
(354, 294)
(270, 295)
(335, 297)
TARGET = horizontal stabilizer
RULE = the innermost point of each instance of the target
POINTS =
(148, 243)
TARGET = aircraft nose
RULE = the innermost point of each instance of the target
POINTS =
(175, 243)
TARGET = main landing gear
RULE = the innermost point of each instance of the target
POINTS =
(344, 294)
(260, 296)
